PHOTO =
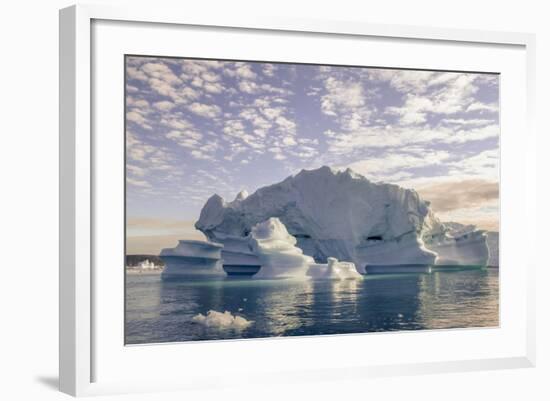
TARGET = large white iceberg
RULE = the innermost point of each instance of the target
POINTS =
(340, 214)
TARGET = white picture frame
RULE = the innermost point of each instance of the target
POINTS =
(79, 346)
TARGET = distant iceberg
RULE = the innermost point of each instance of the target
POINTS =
(192, 259)
(340, 214)
(465, 244)
(493, 242)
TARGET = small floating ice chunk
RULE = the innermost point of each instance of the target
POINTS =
(334, 270)
(221, 320)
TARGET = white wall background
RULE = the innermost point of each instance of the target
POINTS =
(29, 210)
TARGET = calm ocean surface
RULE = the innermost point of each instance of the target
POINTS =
(159, 311)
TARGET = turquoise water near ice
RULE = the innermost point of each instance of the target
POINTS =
(158, 311)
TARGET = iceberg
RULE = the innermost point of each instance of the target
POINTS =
(460, 245)
(276, 251)
(493, 243)
(334, 270)
(339, 214)
(192, 259)
(238, 257)
(279, 257)
(272, 248)
(219, 320)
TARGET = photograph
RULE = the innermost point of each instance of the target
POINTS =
(279, 199)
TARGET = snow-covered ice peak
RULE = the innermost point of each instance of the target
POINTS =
(327, 172)
(241, 195)
(272, 230)
(457, 229)
(212, 212)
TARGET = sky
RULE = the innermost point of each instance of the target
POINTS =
(199, 127)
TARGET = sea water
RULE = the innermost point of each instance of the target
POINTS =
(158, 311)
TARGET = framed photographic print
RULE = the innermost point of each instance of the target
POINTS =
(311, 191)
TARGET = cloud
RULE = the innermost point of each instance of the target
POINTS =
(258, 125)
(483, 218)
(272, 112)
(143, 159)
(187, 139)
(483, 107)
(135, 73)
(149, 225)
(401, 137)
(289, 141)
(205, 110)
(469, 201)
(269, 70)
(135, 170)
(390, 165)
(460, 194)
(164, 105)
(137, 183)
(286, 124)
(213, 87)
(138, 118)
(345, 99)
(249, 87)
(407, 81)
(151, 235)
(451, 93)
(210, 77)
(199, 154)
(346, 95)
(160, 71)
(467, 121)
(464, 135)
(244, 71)
(160, 78)
(484, 164)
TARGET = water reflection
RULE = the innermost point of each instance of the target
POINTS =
(284, 305)
(447, 300)
(162, 311)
